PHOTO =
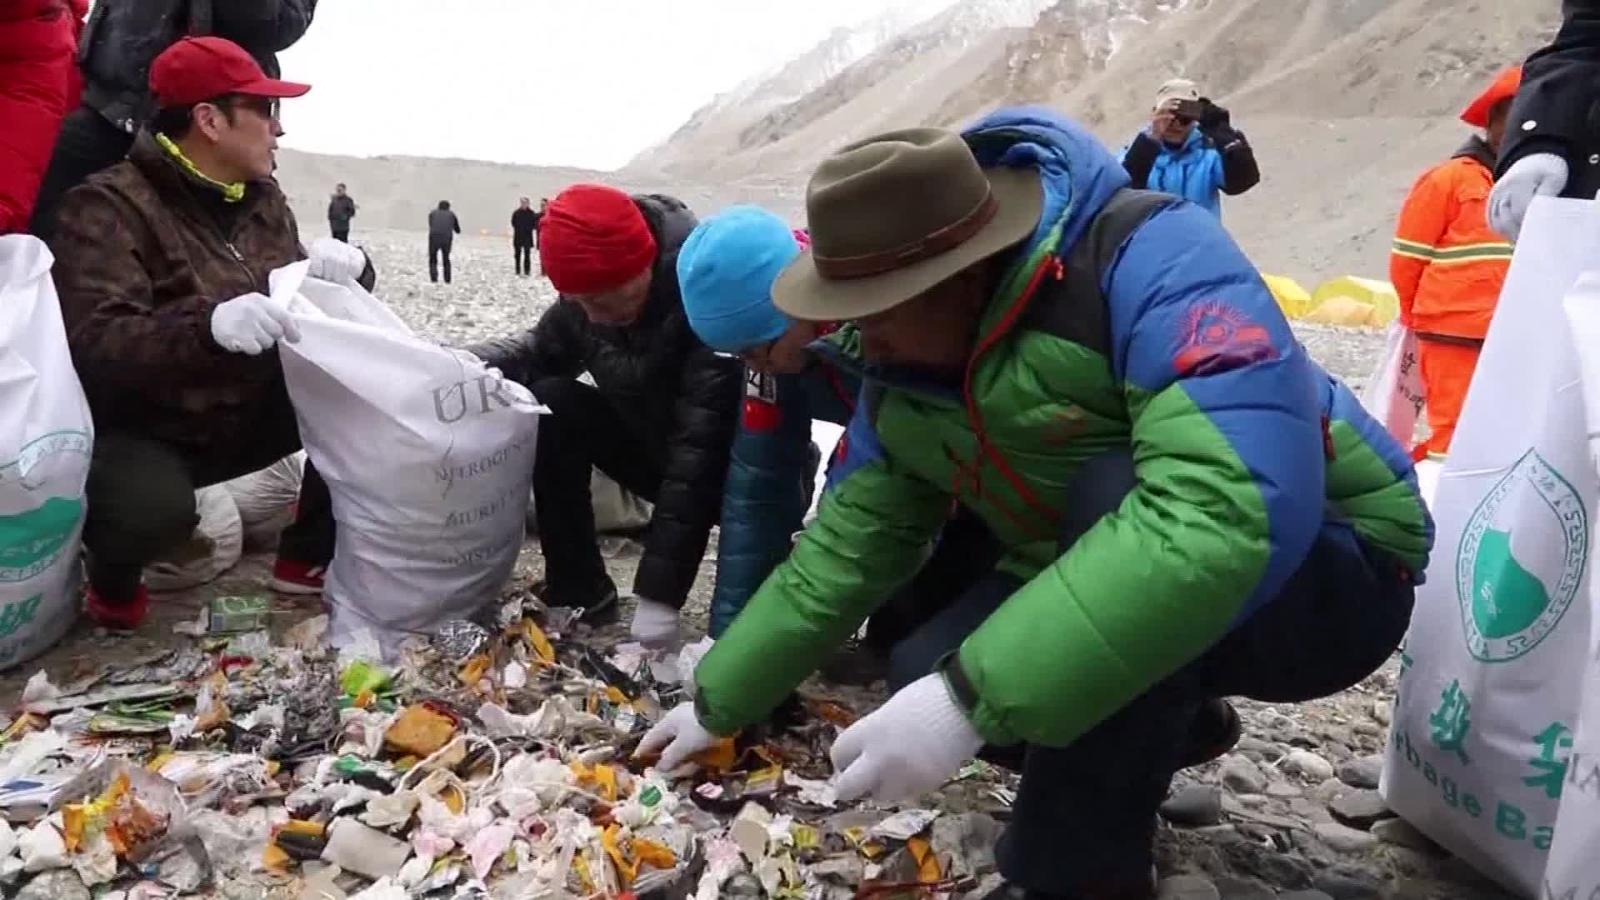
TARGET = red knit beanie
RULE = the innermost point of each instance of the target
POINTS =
(594, 238)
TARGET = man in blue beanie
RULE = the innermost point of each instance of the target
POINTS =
(726, 270)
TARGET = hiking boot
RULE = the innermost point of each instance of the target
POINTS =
(126, 615)
(1215, 730)
(297, 578)
(598, 604)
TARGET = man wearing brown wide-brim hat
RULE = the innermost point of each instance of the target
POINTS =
(1193, 509)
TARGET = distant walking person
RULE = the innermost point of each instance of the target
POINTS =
(524, 226)
(341, 209)
(443, 226)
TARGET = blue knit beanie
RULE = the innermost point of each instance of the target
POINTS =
(725, 271)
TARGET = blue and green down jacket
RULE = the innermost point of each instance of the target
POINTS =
(1244, 449)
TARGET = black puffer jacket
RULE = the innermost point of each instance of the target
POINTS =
(682, 396)
(122, 38)
(1558, 107)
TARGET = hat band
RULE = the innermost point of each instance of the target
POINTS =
(843, 268)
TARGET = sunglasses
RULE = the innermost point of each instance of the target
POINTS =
(265, 107)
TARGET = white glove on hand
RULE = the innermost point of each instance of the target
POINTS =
(336, 261)
(679, 735)
(1539, 175)
(655, 625)
(908, 747)
(252, 324)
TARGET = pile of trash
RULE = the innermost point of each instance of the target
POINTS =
(491, 760)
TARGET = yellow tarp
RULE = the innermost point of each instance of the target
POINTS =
(1379, 295)
(1344, 310)
(1293, 299)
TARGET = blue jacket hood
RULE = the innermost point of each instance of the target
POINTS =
(1079, 173)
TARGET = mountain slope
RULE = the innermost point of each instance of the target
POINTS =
(1345, 101)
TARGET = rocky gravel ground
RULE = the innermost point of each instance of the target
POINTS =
(1292, 813)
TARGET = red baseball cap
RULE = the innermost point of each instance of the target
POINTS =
(1504, 87)
(196, 69)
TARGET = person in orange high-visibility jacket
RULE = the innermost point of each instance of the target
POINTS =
(1448, 266)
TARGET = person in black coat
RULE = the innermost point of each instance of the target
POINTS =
(443, 226)
(1552, 144)
(120, 40)
(524, 225)
(659, 419)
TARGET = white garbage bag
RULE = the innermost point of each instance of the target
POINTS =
(46, 439)
(1493, 669)
(266, 500)
(427, 453)
(214, 548)
(1394, 395)
(1573, 870)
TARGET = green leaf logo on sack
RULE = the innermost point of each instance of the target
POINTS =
(1521, 561)
(31, 541)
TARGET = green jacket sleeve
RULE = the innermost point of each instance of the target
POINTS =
(871, 534)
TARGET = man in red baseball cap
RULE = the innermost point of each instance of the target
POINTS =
(660, 419)
(162, 265)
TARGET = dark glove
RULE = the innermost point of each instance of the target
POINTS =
(1214, 118)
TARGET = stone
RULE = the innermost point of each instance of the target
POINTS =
(1187, 887)
(1309, 765)
(1239, 889)
(1194, 806)
(1304, 895)
(1242, 776)
(1362, 772)
(1360, 809)
(1283, 790)
(1326, 791)
(1310, 810)
(1344, 839)
(61, 884)
(1349, 884)
(1382, 711)
(1257, 749)
(1401, 833)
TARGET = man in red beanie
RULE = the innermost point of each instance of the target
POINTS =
(660, 419)
(162, 264)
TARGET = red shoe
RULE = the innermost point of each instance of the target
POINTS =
(125, 616)
(291, 577)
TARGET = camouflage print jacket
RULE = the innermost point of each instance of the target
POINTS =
(144, 252)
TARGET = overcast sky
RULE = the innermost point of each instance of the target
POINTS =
(553, 82)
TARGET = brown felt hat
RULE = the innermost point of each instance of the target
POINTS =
(896, 214)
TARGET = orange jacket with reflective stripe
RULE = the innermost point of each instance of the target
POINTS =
(1447, 265)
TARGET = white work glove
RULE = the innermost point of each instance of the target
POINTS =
(678, 736)
(252, 324)
(911, 745)
(655, 625)
(1539, 175)
(335, 261)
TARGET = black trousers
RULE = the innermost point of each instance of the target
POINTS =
(86, 144)
(438, 247)
(523, 257)
(584, 430)
(1085, 817)
(340, 233)
(141, 496)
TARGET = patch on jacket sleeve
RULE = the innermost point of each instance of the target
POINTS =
(1220, 337)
